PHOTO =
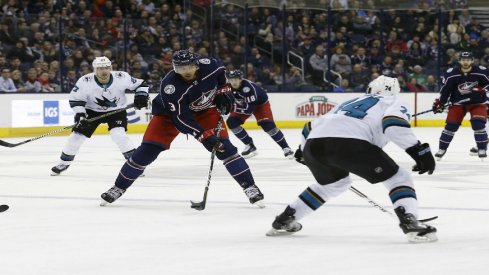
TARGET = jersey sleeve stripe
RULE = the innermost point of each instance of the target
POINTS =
(389, 121)
(75, 103)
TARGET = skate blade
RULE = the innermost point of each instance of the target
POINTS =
(104, 203)
(482, 159)
(473, 154)
(250, 155)
(53, 174)
(438, 158)
(291, 156)
(427, 238)
(260, 204)
(276, 233)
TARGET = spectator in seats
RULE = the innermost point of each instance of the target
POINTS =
(45, 84)
(294, 78)
(420, 76)
(465, 18)
(318, 62)
(344, 87)
(7, 84)
(343, 66)
(6, 36)
(70, 80)
(17, 79)
(394, 41)
(32, 85)
(237, 54)
(375, 56)
(399, 71)
(402, 84)
(265, 79)
(306, 48)
(360, 57)
(484, 61)
(3, 61)
(358, 78)
(415, 54)
(387, 65)
(414, 86)
(431, 85)
(455, 31)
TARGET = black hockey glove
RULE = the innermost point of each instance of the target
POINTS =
(210, 141)
(421, 153)
(224, 99)
(81, 121)
(438, 107)
(299, 157)
(141, 98)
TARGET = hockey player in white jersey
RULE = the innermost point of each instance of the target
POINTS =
(97, 93)
(349, 140)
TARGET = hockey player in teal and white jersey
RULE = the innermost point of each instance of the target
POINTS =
(349, 140)
(97, 93)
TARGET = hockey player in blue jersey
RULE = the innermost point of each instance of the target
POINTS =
(464, 87)
(251, 99)
(190, 100)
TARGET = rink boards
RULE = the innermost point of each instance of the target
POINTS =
(35, 114)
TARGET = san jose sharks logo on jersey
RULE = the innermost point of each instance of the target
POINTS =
(466, 87)
(106, 103)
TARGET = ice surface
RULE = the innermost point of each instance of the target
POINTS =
(56, 226)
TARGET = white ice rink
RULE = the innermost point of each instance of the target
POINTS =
(56, 226)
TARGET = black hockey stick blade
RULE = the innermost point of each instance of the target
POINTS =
(429, 219)
(3, 208)
(6, 144)
(198, 205)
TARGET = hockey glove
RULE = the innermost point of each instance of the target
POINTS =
(438, 107)
(421, 153)
(211, 141)
(81, 121)
(224, 99)
(299, 157)
(141, 98)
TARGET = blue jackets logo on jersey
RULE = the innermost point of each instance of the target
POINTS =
(204, 102)
(466, 87)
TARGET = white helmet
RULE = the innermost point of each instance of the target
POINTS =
(101, 62)
(384, 85)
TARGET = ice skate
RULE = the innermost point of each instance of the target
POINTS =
(249, 151)
(285, 224)
(111, 195)
(482, 154)
(288, 153)
(416, 232)
(56, 170)
(255, 196)
(474, 151)
(440, 154)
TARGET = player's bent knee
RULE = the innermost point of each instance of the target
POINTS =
(401, 178)
(229, 150)
(234, 122)
(268, 125)
(333, 189)
(146, 153)
(477, 124)
(452, 126)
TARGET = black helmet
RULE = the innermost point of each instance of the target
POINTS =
(235, 74)
(468, 55)
(184, 58)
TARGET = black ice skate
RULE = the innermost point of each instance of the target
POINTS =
(255, 196)
(288, 153)
(111, 195)
(285, 224)
(249, 151)
(56, 170)
(474, 151)
(416, 232)
(440, 154)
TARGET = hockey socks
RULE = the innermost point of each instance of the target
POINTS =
(447, 135)
(480, 134)
(241, 133)
(135, 165)
(274, 133)
(239, 170)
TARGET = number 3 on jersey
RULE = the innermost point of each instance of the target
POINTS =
(357, 109)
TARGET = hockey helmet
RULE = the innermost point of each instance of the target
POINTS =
(384, 85)
(101, 62)
(235, 74)
(468, 55)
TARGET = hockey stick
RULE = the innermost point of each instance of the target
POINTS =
(444, 106)
(360, 194)
(7, 144)
(201, 205)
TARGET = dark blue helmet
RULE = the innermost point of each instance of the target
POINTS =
(468, 55)
(184, 58)
(235, 74)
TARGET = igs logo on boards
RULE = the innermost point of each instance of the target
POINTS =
(51, 112)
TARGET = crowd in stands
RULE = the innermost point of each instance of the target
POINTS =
(363, 43)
